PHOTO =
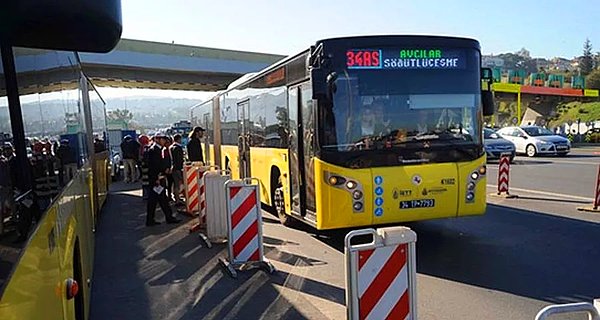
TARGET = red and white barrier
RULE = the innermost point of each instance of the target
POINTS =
(381, 275)
(244, 225)
(503, 174)
(195, 200)
(190, 178)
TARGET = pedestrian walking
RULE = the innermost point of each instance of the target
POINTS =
(157, 169)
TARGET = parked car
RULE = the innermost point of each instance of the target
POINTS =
(534, 140)
(495, 145)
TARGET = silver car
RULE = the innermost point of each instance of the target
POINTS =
(495, 146)
(534, 140)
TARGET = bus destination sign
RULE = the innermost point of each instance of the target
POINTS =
(395, 59)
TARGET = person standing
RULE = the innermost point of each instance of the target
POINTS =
(130, 149)
(157, 168)
(146, 143)
(194, 146)
(177, 169)
(169, 163)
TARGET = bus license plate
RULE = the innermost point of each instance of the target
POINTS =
(420, 203)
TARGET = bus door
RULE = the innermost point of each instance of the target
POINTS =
(301, 128)
(308, 148)
(244, 138)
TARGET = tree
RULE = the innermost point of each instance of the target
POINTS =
(587, 60)
(593, 80)
(524, 53)
(120, 114)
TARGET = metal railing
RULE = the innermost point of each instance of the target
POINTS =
(592, 310)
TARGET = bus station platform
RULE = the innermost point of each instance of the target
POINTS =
(165, 272)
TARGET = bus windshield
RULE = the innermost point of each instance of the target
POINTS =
(371, 112)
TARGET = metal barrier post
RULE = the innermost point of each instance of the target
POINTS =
(592, 310)
(244, 227)
(596, 206)
(381, 275)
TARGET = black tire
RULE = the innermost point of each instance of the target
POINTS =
(279, 206)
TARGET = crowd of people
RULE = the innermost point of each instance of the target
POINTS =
(158, 162)
(53, 163)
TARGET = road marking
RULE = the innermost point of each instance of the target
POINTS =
(575, 162)
(549, 161)
(546, 193)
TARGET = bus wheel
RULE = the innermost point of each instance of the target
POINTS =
(279, 203)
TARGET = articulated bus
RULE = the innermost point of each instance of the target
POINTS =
(359, 131)
(47, 245)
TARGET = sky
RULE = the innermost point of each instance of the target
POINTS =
(547, 28)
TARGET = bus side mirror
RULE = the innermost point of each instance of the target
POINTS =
(82, 25)
(487, 95)
(323, 84)
(319, 83)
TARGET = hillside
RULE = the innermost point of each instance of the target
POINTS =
(586, 112)
(149, 112)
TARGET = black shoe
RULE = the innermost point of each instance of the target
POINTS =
(173, 220)
(152, 223)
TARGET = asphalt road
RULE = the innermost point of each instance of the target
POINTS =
(573, 175)
(522, 255)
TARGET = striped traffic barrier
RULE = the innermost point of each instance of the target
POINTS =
(201, 196)
(190, 179)
(381, 275)
(215, 221)
(194, 191)
(596, 205)
(503, 177)
(244, 227)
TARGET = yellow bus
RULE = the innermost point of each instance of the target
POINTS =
(47, 239)
(359, 131)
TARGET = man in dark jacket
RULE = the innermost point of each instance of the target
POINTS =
(157, 169)
(194, 147)
(130, 149)
(177, 170)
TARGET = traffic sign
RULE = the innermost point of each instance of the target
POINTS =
(515, 120)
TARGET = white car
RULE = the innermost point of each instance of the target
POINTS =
(534, 140)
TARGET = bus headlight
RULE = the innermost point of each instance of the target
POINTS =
(482, 170)
(336, 180)
(350, 184)
(474, 175)
(357, 194)
(357, 206)
(471, 186)
(470, 196)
